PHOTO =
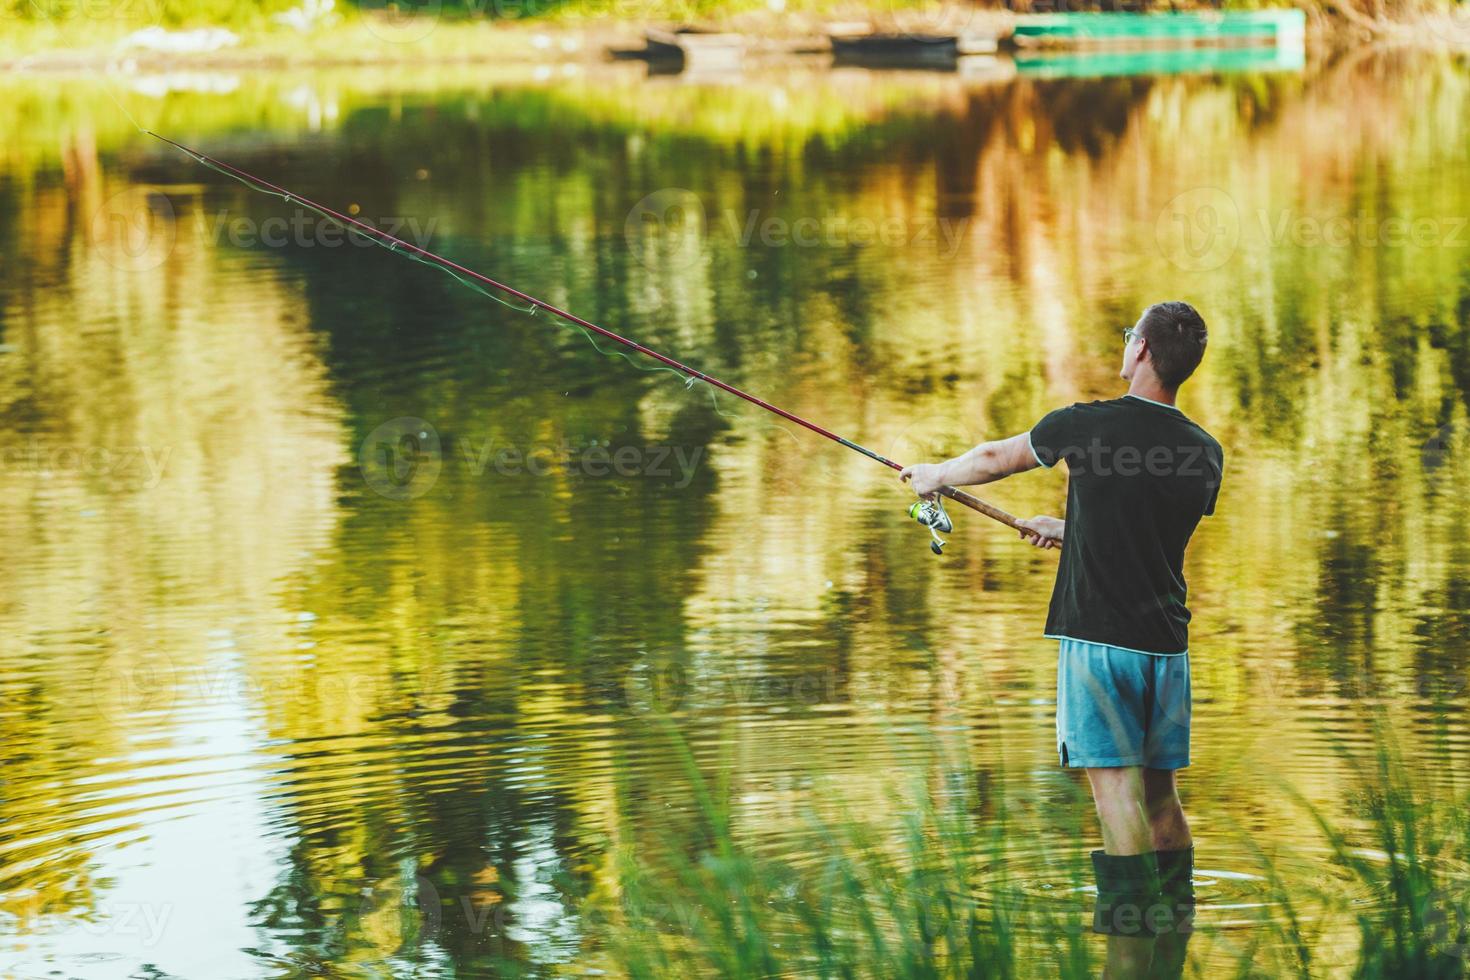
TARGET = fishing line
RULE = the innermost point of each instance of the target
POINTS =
(107, 87)
(391, 245)
(478, 281)
(433, 261)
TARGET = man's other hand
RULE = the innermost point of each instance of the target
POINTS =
(1043, 532)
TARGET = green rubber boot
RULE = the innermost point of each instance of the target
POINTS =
(1176, 870)
(1176, 882)
(1128, 893)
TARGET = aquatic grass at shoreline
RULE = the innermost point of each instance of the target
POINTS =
(911, 901)
(1418, 832)
(870, 902)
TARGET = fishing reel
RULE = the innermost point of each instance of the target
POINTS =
(930, 513)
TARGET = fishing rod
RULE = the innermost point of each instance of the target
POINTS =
(930, 513)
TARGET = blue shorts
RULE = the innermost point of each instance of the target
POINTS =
(1118, 707)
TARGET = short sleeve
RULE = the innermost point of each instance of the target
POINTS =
(1217, 476)
(1053, 435)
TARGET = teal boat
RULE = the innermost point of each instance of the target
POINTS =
(1173, 61)
(1277, 28)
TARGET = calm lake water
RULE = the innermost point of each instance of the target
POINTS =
(331, 585)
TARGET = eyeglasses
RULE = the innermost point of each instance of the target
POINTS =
(1129, 334)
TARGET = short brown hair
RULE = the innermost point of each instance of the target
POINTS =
(1176, 338)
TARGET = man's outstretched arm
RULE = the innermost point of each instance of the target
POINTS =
(986, 463)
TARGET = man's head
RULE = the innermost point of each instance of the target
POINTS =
(1169, 341)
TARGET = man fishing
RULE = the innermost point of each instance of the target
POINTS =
(1140, 476)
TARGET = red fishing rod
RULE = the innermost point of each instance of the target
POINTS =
(931, 515)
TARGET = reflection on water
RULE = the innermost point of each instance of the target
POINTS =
(265, 715)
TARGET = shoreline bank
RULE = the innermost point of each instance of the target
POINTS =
(369, 40)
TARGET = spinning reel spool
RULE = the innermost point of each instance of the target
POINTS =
(930, 513)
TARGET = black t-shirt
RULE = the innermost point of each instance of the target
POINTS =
(1140, 477)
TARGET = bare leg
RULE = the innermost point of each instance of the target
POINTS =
(1168, 829)
(1140, 814)
(1122, 809)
